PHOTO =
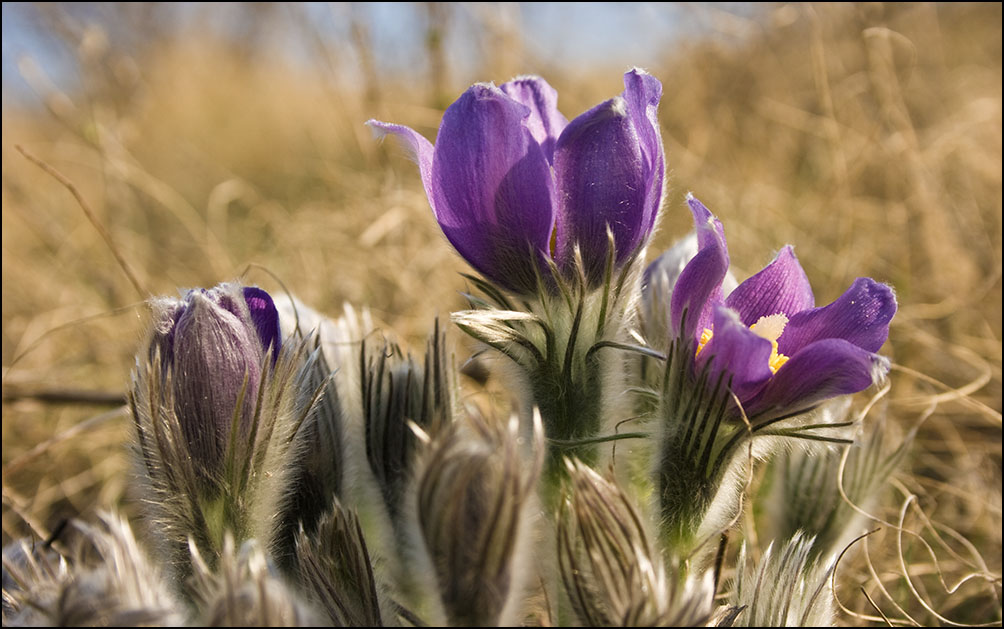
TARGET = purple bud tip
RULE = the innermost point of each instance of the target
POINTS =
(265, 318)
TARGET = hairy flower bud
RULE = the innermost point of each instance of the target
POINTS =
(397, 389)
(212, 345)
(214, 403)
(335, 570)
(613, 574)
(243, 589)
(472, 500)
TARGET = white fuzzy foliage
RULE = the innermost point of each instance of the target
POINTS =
(787, 588)
(110, 582)
(244, 591)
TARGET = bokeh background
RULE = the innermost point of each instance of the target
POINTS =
(214, 141)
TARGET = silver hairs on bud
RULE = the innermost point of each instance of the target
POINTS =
(613, 574)
(472, 505)
(245, 590)
(108, 582)
(787, 588)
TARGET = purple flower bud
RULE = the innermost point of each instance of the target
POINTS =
(514, 185)
(212, 346)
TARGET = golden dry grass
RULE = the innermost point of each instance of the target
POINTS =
(869, 136)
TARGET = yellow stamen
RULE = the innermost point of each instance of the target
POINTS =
(776, 360)
(705, 337)
(770, 328)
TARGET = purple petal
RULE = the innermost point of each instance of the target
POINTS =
(419, 149)
(738, 352)
(860, 316)
(601, 184)
(492, 189)
(214, 350)
(545, 122)
(265, 318)
(780, 287)
(661, 275)
(642, 93)
(710, 231)
(699, 286)
(476, 198)
(819, 371)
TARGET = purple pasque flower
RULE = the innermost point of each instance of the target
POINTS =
(513, 184)
(212, 346)
(781, 353)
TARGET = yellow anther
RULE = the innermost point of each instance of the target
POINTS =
(770, 328)
(776, 359)
(705, 337)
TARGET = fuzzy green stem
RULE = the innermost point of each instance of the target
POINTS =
(570, 408)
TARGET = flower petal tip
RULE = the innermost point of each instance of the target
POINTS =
(699, 209)
(377, 128)
(880, 369)
(527, 78)
(617, 106)
(886, 294)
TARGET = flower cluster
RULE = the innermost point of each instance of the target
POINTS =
(299, 470)
(541, 208)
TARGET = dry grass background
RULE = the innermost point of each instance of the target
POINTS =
(869, 136)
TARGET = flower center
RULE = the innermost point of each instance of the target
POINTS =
(769, 327)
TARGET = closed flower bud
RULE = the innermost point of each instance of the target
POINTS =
(472, 503)
(212, 345)
(335, 571)
(244, 589)
(806, 485)
(397, 389)
(613, 574)
(214, 403)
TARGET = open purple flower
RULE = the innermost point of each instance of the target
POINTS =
(513, 184)
(778, 352)
(212, 346)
